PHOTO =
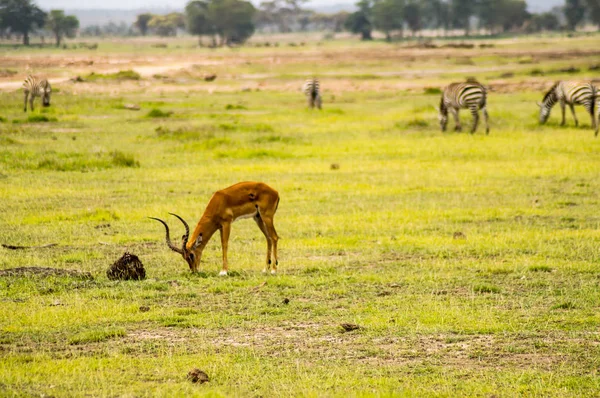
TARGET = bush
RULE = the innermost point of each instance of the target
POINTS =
(121, 159)
(432, 91)
(155, 112)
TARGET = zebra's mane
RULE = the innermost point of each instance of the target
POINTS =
(551, 91)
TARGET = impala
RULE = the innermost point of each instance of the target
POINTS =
(242, 200)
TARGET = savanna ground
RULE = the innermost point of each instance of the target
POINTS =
(470, 262)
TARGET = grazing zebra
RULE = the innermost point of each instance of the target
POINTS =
(571, 93)
(312, 91)
(36, 87)
(469, 95)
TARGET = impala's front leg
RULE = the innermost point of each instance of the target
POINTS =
(225, 231)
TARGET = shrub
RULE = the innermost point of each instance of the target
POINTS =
(432, 91)
(155, 112)
(121, 159)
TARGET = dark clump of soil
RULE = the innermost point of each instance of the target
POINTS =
(348, 327)
(44, 271)
(197, 376)
(128, 267)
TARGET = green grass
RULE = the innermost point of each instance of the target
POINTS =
(120, 75)
(470, 262)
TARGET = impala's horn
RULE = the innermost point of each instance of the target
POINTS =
(187, 231)
(168, 238)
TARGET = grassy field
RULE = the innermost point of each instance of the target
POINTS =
(469, 262)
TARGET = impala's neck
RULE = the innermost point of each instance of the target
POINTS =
(207, 228)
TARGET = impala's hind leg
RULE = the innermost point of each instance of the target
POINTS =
(272, 234)
(263, 229)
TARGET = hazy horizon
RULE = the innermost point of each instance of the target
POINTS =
(534, 5)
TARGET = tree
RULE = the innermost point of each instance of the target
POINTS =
(574, 12)
(360, 21)
(286, 15)
(502, 14)
(462, 10)
(62, 25)
(21, 16)
(142, 21)
(233, 20)
(387, 16)
(167, 25)
(436, 14)
(198, 20)
(412, 16)
(544, 21)
(593, 7)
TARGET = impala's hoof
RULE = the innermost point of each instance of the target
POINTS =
(223, 273)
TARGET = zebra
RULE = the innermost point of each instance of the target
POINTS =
(469, 95)
(36, 87)
(312, 91)
(571, 93)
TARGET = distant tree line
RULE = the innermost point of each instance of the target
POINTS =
(23, 17)
(232, 22)
(497, 16)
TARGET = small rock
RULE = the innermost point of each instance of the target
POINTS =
(197, 376)
(334, 166)
(132, 107)
(210, 78)
(144, 308)
(286, 301)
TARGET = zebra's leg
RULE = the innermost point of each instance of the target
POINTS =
(562, 108)
(31, 97)
(26, 95)
(594, 123)
(486, 118)
(574, 116)
(319, 102)
(475, 113)
(311, 103)
(454, 112)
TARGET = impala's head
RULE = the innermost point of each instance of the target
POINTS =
(46, 91)
(191, 253)
(443, 114)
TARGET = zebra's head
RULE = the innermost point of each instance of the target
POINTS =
(544, 112)
(46, 91)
